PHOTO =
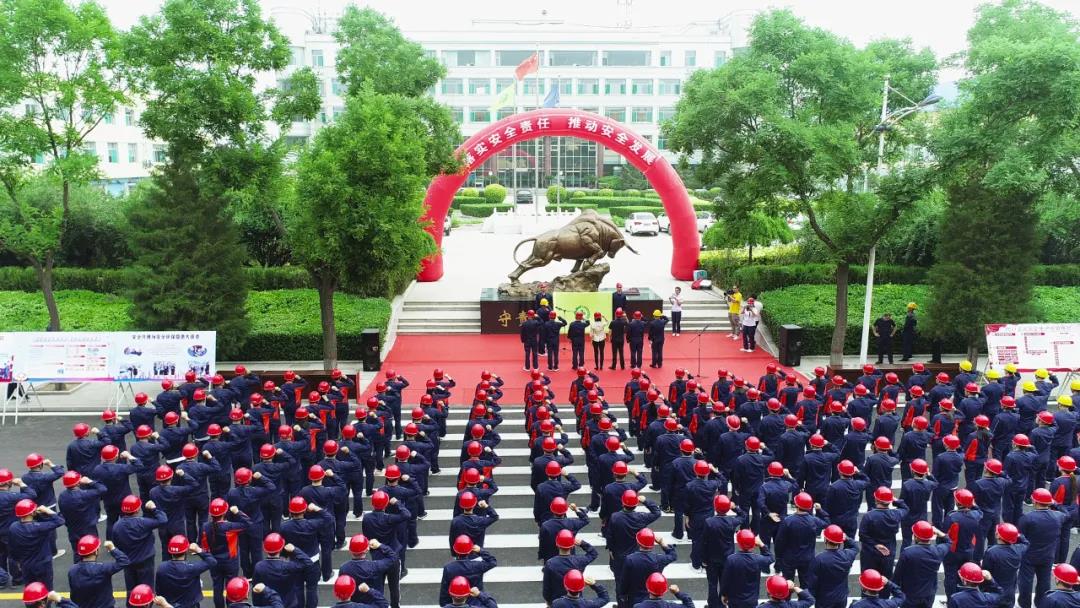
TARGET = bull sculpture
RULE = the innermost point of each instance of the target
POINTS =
(587, 239)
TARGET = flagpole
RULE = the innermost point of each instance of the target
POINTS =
(558, 161)
(540, 141)
(513, 155)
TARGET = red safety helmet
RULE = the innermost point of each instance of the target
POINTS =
(143, 431)
(942, 378)
(920, 466)
(425, 399)
(1046, 417)
(612, 443)
(289, 375)
(671, 424)
(330, 447)
(871, 580)
(817, 440)
(199, 395)
(558, 506)
(1008, 533)
(922, 530)
(888, 405)
(892, 378)
(1008, 401)
(733, 422)
(141, 398)
(81, 430)
(1067, 464)
(178, 545)
(214, 430)
(273, 543)
(994, 466)
(163, 473)
(656, 584)
(775, 469)
(34, 593)
(236, 590)
(285, 432)
(324, 386)
(804, 501)
(917, 391)
(721, 504)
(474, 449)
(553, 469)
(629, 499)
(777, 587)
(393, 472)
(838, 380)
(1067, 574)
(604, 423)
(835, 534)
(256, 398)
(701, 468)
(316, 473)
(141, 595)
(243, 476)
(188, 451)
(71, 479)
(686, 446)
(964, 498)
(463, 545)
(358, 544)
(565, 539)
(1042, 496)
(348, 431)
(819, 371)
(883, 494)
(846, 468)
(809, 392)
(574, 580)
(218, 507)
(460, 587)
(87, 545)
(34, 459)
(920, 423)
(299, 505)
(746, 539)
(752, 443)
(217, 379)
(109, 452)
(646, 538)
(861, 390)
(868, 368)
(619, 468)
(166, 385)
(1021, 440)
(130, 504)
(171, 418)
(380, 500)
(344, 587)
(883, 444)
(108, 415)
(548, 444)
(972, 573)
(791, 421)
(951, 442)
(467, 500)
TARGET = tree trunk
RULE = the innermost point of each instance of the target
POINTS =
(327, 285)
(973, 354)
(45, 278)
(836, 354)
(750, 254)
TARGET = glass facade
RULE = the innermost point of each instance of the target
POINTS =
(575, 158)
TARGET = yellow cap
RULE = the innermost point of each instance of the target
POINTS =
(543, 302)
(912, 306)
(993, 374)
(1065, 400)
(656, 313)
(965, 365)
(1029, 386)
(1042, 374)
(1010, 367)
(1074, 386)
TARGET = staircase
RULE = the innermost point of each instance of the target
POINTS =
(699, 313)
(431, 317)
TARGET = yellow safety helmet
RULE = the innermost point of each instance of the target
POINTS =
(993, 374)
(1010, 367)
(1042, 374)
(1029, 386)
(1074, 386)
(965, 365)
(1065, 400)
(656, 313)
(543, 302)
(912, 306)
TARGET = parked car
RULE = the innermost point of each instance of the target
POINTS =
(524, 197)
(642, 223)
(704, 220)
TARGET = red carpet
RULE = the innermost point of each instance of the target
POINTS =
(464, 356)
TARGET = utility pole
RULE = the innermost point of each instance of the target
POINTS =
(864, 343)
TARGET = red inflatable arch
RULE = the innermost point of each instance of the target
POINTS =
(566, 122)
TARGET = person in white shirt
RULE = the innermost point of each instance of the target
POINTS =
(749, 318)
(598, 329)
(676, 302)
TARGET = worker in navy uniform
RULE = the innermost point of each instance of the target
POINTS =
(556, 524)
(657, 586)
(1003, 559)
(168, 400)
(618, 328)
(635, 335)
(962, 527)
(884, 330)
(461, 594)
(1004, 426)
(779, 590)
(83, 451)
(237, 590)
(1020, 468)
(797, 535)
(29, 538)
(80, 506)
(773, 498)
(574, 582)
(134, 535)
(917, 567)
(559, 483)
(543, 312)
(365, 567)
(530, 340)
(714, 542)
(178, 577)
(843, 498)
(611, 497)
(640, 564)
(947, 467)
(249, 494)
(916, 493)
(576, 334)
(874, 588)
(1064, 594)
(1042, 528)
(294, 384)
(544, 297)
(741, 580)
(747, 477)
(311, 529)
(283, 569)
(474, 520)
(388, 522)
(550, 337)
(827, 576)
(656, 338)
(90, 580)
(977, 589)
(465, 563)
(913, 444)
(622, 528)
(221, 536)
(878, 529)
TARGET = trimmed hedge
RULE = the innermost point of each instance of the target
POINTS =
(556, 193)
(1060, 275)
(484, 209)
(119, 280)
(285, 323)
(467, 200)
(759, 278)
(812, 307)
(494, 193)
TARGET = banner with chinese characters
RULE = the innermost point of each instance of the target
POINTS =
(1051, 346)
(105, 356)
(568, 303)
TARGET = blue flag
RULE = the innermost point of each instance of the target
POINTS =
(552, 99)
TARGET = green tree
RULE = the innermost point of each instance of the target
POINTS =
(186, 283)
(1011, 141)
(791, 121)
(59, 60)
(754, 229)
(375, 56)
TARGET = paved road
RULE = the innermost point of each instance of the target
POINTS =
(512, 540)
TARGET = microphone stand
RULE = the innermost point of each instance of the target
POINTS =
(698, 339)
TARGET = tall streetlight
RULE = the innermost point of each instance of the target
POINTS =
(888, 119)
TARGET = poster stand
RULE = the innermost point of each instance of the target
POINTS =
(122, 389)
(18, 396)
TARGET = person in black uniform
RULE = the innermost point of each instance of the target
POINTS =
(550, 337)
(530, 340)
(618, 329)
(656, 338)
(542, 312)
(884, 329)
(636, 336)
(544, 298)
(618, 299)
(576, 334)
(908, 333)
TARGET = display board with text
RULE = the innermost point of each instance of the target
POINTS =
(1031, 346)
(105, 356)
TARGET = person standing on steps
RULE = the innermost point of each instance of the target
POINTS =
(909, 333)
(550, 339)
(617, 329)
(676, 302)
(618, 299)
(734, 302)
(748, 321)
(884, 330)
(531, 340)
(576, 335)
(636, 336)
(598, 331)
(656, 338)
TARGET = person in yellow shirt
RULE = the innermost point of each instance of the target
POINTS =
(734, 301)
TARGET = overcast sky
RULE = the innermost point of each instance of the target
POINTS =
(939, 24)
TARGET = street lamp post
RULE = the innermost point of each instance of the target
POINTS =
(887, 120)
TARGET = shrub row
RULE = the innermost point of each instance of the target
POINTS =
(119, 280)
(467, 200)
(812, 307)
(759, 278)
(485, 209)
(285, 324)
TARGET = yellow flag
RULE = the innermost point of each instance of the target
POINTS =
(506, 98)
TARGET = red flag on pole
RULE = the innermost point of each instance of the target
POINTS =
(527, 67)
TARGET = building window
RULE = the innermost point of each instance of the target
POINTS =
(479, 115)
(336, 87)
(614, 87)
(670, 87)
(323, 118)
(533, 86)
(665, 114)
(129, 117)
(317, 59)
(39, 158)
(133, 153)
(466, 58)
(30, 109)
(453, 86)
(107, 118)
(159, 153)
(296, 55)
(566, 86)
(458, 113)
(501, 84)
(338, 111)
(618, 114)
(665, 58)
(504, 113)
(593, 109)
(641, 87)
(295, 141)
(90, 148)
(572, 58)
(626, 58)
(690, 58)
(647, 138)
(479, 87)
(641, 114)
(661, 142)
(719, 58)
(114, 153)
(512, 58)
(588, 86)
